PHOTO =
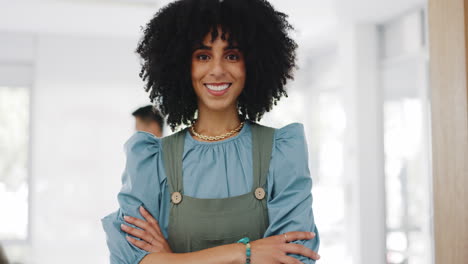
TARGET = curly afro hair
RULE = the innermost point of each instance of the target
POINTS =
(170, 37)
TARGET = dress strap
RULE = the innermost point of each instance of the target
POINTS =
(262, 146)
(173, 149)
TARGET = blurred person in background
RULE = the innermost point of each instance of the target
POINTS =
(224, 189)
(149, 119)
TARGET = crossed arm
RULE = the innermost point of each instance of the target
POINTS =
(267, 250)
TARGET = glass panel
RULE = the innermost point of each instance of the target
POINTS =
(406, 140)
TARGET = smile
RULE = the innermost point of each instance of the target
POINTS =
(218, 87)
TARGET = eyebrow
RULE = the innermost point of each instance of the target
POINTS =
(203, 47)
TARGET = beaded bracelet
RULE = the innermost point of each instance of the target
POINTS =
(245, 241)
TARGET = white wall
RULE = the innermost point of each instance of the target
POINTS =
(84, 92)
(364, 144)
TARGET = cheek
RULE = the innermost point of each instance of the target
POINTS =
(193, 73)
(238, 71)
(193, 69)
(241, 74)
(242, 71)
(197, 73)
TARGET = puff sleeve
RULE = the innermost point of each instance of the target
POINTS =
(289, 188)
(140, 186)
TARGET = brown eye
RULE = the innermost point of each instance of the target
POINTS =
(232, 57)
(202, 57)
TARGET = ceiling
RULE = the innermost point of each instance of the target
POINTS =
(124, 18)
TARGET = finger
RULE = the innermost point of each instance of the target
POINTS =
(139, 243)
(296, 235)
(137, 222)
(301, 250)
(141, 224)
(145, 246)
(137, 233)
(289, 260)
(150, 238)
(153, 222)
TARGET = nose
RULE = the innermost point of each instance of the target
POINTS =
(217, 68)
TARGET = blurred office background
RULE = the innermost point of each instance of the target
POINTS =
(69, 82)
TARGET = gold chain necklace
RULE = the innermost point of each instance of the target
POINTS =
(215, 138)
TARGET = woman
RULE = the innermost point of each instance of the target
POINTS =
(216, 66)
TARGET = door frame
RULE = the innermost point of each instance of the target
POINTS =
(448, 31)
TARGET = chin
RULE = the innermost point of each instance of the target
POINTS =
(219, 105)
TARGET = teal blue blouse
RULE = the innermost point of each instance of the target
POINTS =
(217, 170)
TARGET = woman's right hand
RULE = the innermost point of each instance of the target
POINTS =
(273, 250)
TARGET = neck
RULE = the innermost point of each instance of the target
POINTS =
(213, 123)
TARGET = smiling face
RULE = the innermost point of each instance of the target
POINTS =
(218, 74)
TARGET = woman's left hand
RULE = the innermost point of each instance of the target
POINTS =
(152, 239)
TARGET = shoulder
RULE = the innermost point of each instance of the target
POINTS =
(142, 144)
(289, 160)
(142, 151)
(290, 146)
(291, 135)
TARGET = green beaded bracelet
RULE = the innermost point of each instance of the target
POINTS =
(245, 241)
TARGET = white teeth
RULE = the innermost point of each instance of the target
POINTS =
(217, 87)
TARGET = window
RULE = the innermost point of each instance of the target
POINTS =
(404, 75)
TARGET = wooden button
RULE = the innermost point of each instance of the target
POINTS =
(259, 193)
(176, 197)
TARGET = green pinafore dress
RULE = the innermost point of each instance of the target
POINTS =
(196, 224)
